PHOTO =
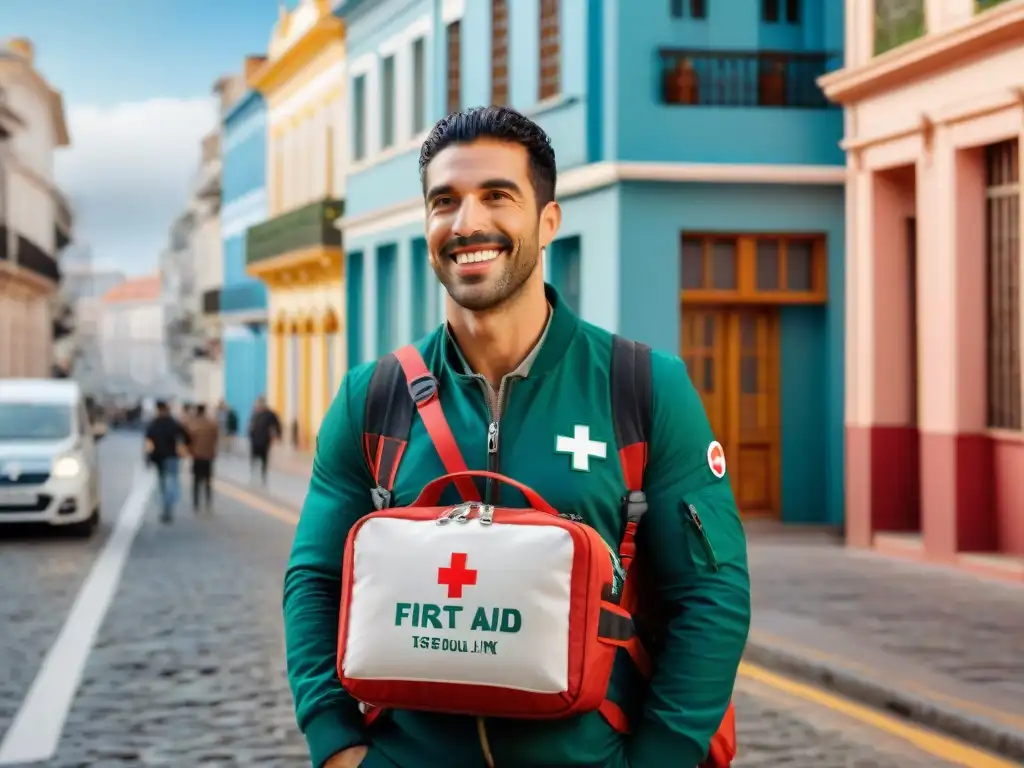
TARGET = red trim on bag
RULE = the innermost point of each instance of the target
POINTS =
(435, 422)
(616, 718)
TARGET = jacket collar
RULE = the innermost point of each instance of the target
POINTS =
(553, 345)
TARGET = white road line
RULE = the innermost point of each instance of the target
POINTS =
(35, 733)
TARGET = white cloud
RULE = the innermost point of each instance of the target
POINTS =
(127, 174)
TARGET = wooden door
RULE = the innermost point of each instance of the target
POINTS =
(733, 359)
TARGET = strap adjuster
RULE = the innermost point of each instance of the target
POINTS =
(634, 505)
(423, 389)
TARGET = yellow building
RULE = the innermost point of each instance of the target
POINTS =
(297, 251)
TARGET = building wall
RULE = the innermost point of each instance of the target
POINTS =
(243, 298)
(132, 344)
(920, 384)
(641, 127)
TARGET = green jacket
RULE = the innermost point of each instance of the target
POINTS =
(701, 570)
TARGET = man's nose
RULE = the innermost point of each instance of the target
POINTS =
(471, 218)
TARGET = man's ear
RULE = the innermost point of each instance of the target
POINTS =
(550, 222)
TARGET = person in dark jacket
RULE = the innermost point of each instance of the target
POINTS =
(166, 441)
(205, 435)
(264, 430)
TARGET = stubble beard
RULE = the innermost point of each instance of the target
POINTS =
(483, 294)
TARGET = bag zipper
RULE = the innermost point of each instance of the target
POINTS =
(709, 551)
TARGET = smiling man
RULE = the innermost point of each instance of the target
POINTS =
(527, 389)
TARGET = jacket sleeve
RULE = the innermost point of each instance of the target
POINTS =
(692, 538)
(338, 496)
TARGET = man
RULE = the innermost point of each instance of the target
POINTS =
(227, 421)
(166, 441)
(205, 435)
(512, 355)
(264, 430)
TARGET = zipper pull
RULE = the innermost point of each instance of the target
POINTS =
(492, 438)
(454, 513)
(696, 519)
(486, 514)
(465, 514)
(705, 542)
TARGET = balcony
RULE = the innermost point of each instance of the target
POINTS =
(250, 296)
(897, 22)
(785, 79)
(984, 5)
(211, 301)
(306, 228)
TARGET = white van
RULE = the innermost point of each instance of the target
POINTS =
(49, 469)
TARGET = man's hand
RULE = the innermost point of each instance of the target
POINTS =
(349, 758)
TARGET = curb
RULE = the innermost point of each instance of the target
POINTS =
(999, 738)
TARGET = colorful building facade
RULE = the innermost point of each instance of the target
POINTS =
(243, 298)
(935, 110)
(701, 182)
(297, 252)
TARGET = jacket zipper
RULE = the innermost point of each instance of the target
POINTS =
(709, 551)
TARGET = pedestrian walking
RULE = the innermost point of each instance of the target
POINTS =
(227, 422)
(205, 434)
(264, 431)
(166, 442)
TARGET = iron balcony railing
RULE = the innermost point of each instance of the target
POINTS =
(306, 227)
(745, 78)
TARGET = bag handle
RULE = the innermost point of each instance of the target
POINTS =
(431, 492)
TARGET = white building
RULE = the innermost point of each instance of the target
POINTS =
(208, 252)
(35, 219)
(85, 286)
(131, 339)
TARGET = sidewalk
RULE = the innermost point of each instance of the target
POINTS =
(937, 646)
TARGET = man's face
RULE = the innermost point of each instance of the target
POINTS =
(484, 232)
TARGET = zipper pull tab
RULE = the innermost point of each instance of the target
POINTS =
(465, 514)
(450, 514)
(492, 438)
(486, 514)
(696, 519)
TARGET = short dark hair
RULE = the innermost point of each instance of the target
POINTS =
(502, 124)
(161, 405)
(200, 409)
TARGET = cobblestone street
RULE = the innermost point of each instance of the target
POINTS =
(188, 666)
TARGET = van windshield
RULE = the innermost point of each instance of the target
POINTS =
(34, 421)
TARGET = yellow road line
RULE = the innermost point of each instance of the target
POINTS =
(1007, 718)
(259, 503)
(943, 747)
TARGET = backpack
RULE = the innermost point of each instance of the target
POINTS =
(401, 385)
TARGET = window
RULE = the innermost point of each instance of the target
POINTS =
(1002, 252)
(387, 299)
(354, 305)
(694, 9)
(422, 286)
(499, 52)
(550, 49)
(770, 10)
(419, 86)
(387, 98)
(793, 11)
(454, 97)
(359, 118)
(897, 22)
(759, 268)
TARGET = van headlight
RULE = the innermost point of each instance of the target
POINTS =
(66, 466)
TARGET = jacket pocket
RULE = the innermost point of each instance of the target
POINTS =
(713, 528)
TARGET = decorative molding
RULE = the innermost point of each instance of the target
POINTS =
(588, 178)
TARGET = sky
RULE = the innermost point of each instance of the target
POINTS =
(137, 78)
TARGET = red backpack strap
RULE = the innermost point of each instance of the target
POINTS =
(401, 385)
(632, 393)
(423, 390)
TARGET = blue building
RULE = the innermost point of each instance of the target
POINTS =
(243, 298)
(701, 181)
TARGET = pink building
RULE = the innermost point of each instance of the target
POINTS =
(934, 101)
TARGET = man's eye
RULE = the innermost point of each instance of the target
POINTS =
(442, 201)
(495, 194)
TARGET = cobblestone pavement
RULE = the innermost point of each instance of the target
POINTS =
(956, 630)
(188, 668)
(41, 570)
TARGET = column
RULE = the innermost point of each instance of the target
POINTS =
(956, 454)
(881, 421)
(275, 365)
(304, 380)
